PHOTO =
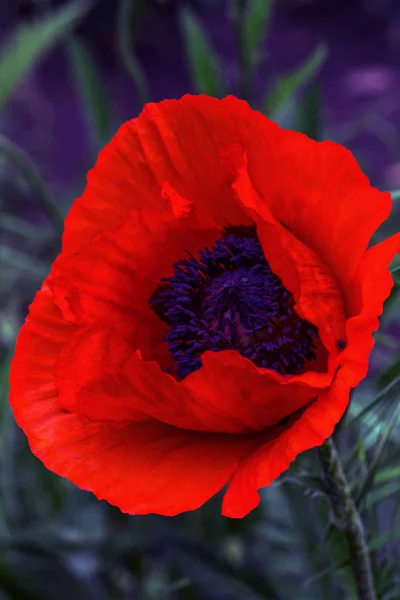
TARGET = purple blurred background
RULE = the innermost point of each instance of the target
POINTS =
(360, 79)
(47, 117)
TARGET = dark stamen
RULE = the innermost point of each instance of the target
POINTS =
(229, 298)
(341, 344)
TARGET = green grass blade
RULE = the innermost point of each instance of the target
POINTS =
(18, 226)
(30, 42)
(202, 59)
(372, 470)
(376, 543)
(91, 89)
(395, 195)
(18, 157)
(308, 113)
(250, 22)
(388, 474)
(288, 86)
(255, 26)
(385, 393)
(128, 14)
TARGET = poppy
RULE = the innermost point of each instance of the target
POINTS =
(210, 311)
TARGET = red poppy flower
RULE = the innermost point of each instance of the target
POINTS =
(212, 307)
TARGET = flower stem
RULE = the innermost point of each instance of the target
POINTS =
(347, 519)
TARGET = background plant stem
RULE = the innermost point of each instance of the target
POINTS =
(27, 169)
(245, 66)
(347, 519)
(128, 16)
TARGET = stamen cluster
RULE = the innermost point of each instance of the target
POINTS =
(229, 298)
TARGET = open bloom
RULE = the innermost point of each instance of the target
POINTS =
(212, 307)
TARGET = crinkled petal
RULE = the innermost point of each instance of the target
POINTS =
(88, 381)
(141, 468)
(370, 288)
(114, 358)
(232, 385)
(316, 189)
(95, 374)
(110, 282)
(99, 377)
(261, 468)
(317, 293)
(90, 378)
(167, 142)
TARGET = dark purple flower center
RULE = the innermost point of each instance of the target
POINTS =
(229, 298)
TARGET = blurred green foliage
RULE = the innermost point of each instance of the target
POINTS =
(288, 86)
(30, 42)
(91, 89)
(58, 542)
(203, 61)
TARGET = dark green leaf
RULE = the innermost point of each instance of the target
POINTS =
(13, 587)
(388, 474)
(358, 451)
(203, 62)
(384, 130)
(376, 543)
(30, 42)
(373, 467)
(43, 576)
(20, 227)
(128, 18)
(391, 373)
(288, 86)
(19, 260)
(381, 492)
(215, 579)
(27, 168)
(389, 391)
(4, 374)
(395, 195)
(91, 89)
(379, 541)
(249, 20)
(305, 480)
(308, 113)
(255, 26)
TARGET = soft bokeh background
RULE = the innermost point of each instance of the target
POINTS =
(70, 73)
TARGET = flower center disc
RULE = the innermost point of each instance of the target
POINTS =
(230, 299)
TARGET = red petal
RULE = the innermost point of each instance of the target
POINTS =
(316, 189)
(228, 394)
(315, 289)
(99, 377)
(168, 142)
(105, 289)
(173, 151)
(110, 282)
(262, 467)
(142, 469)
(318, 421)
(90, 379)
(233, 388)
(96, 374)
(145, 468)
(122, 179)
(367, 293)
